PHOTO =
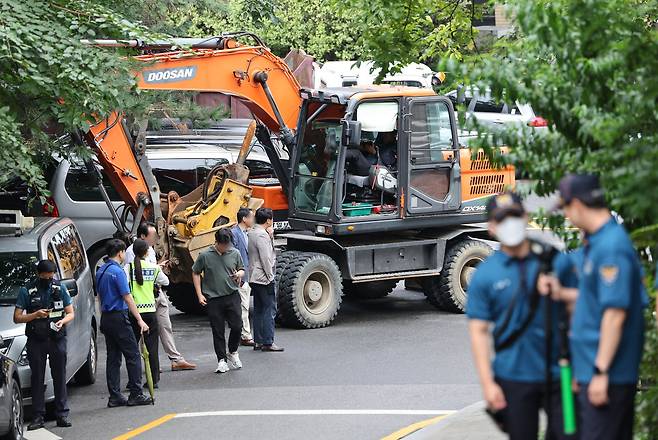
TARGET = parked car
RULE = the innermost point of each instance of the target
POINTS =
(11, 402)
(488, 111)
(58, 240)
(179, 167)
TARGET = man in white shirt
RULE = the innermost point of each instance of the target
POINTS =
(148, 233)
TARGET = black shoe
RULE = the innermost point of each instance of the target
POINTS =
(63, 422)
(36, 424)
(140, 400)
(155, 386)
(258, 347)
(114, 403)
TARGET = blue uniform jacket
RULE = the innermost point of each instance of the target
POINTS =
(610, 277)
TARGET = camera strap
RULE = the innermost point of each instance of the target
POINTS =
(522, 291)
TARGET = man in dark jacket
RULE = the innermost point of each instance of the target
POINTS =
(241, 243)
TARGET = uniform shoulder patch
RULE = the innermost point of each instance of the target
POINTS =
(609, 273)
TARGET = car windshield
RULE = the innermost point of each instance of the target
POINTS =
(16, 270)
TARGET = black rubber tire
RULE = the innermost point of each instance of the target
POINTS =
(448, 290)
(95, 256)
(16, 413)
(86, 375)
(294, 308)
(183, 297)
(371, 290)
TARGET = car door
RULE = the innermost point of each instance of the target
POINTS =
(72, 261)
(433, 173)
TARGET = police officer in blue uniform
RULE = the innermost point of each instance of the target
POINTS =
(607, 328)
(503, 292)
(45, 307)
(116, 303)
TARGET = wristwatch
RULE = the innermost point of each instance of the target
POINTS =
(599, 372)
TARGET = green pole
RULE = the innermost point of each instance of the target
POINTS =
(568, 405)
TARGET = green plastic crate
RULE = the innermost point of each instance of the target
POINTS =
(356, 209)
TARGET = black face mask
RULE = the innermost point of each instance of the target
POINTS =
(44, 282)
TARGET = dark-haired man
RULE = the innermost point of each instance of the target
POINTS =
(116, 302)
(45, 307)
(245, 219)
(261, 279)
(607, 327)
(222, 269)
(147, 232)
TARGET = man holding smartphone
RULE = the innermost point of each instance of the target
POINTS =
(45, 307)
(223, 270)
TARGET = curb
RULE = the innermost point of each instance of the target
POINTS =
(469, 423)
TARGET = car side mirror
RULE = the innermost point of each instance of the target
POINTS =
(71, 286)
(351, 136)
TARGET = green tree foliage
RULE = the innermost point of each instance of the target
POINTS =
(391, 32)
(49, 82)
(396, 32)
(588, 67)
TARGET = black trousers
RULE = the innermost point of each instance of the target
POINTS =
(151, 340)
(120, 341)
(37, 351)
(524, 401)
(613, 421)
(222, 310)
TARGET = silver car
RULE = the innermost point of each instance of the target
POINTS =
(56, 239)
(179, 164)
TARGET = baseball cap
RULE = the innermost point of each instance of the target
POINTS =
(584, 187)
(46, 266)
(505, 204)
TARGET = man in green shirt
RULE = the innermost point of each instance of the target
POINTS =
(222, 269)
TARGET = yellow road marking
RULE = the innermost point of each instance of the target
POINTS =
(155, 423)
(397, 435)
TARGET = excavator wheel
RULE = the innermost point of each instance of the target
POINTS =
(282, 260)
(183, 297)
(309, 291)
(372, 290)
(447, 291)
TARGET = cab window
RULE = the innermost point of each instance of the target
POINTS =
(316, 167)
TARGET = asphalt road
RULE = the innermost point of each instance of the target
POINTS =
(381, 366)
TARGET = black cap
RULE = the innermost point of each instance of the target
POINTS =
(584, 187)
(46, 266)
(503, 205)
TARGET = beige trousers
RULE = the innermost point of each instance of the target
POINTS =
(245, 298)
(164, 326)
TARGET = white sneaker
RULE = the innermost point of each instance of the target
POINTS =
(222, 367)
(234, 361)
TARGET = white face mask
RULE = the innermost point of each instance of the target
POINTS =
(511, 231)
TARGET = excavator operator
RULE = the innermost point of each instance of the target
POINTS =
(359, 160)
(387, 146)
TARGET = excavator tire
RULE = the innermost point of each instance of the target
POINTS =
(372, 290)
(447, 291)
(310, 291)
(183, 297)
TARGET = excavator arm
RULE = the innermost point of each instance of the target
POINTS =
(261, 80)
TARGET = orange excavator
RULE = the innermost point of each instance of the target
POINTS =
(375, 180)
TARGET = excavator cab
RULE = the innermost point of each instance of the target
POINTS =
(381, 159)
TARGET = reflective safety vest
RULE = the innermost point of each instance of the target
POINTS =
(143, 294)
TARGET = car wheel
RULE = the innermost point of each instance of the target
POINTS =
(15, 431)
(87, 373)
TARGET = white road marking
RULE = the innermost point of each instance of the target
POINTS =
(39, 434)
(317, 412)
